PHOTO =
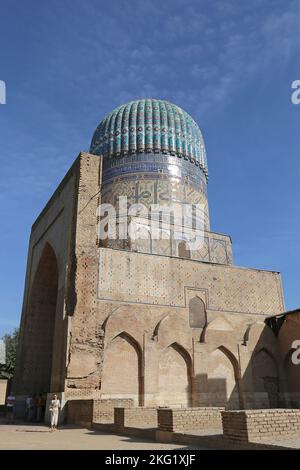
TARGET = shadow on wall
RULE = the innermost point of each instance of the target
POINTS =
(257, 388)
(213, 392)
(262, 383)
(262, 375)
(250, 377)
(221, 384)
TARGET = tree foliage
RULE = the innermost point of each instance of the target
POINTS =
(11, 343)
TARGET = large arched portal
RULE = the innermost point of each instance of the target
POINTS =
(175, 377)
(39, 324)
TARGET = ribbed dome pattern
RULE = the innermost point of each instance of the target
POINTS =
(150, 125)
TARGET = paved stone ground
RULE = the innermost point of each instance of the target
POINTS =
(33, 437)
(38, 437)
(289, 442)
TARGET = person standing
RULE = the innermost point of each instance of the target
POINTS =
(54, 412)
(10, 405)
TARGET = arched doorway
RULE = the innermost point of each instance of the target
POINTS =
(40, 323)
(122, 369)
(175, 376)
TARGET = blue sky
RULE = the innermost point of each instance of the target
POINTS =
(230, 64)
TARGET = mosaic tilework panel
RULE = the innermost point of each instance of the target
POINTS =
(159, 280)
(203, 253)
(218, 251)
(150, 125)
(153, 163)
(162, 191)
(150, 190)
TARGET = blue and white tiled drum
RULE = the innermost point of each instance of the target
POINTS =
(153, 153)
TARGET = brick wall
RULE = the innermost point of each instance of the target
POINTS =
(260, 425)
(137, 417)
(82, 394)
(86, 412)
(80, 412)
(104, 409)
(188, 419)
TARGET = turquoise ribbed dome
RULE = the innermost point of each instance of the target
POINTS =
(150, 125)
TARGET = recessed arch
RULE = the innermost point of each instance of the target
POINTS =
(224, 378)
(232, 359)
(175, 376)
(185, 354)
(265, 375)
(197, 313)
(122, 374)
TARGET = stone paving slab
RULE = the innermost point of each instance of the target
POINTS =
(289, 443)
(39, 437)
(71, 437)
(197, 439)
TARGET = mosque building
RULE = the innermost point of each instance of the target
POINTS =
(155, 318)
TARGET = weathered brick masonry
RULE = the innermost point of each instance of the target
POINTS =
(188, 419)
(94, 411)
(135, 417)
(260, 425)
